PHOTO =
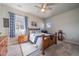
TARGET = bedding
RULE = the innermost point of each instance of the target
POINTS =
(42, 40)
(36, 38)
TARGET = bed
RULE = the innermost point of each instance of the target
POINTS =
(41, 40)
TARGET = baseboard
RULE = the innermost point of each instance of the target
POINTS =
(73, 42)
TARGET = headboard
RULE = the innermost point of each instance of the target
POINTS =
(34, 30)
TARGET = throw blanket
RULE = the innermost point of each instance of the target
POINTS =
(36, 38)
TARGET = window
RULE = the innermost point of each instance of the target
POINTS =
(48, 25)
(19, 25)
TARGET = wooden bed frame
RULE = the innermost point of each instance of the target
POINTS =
(47, 41)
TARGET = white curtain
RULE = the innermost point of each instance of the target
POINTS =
(19, 25)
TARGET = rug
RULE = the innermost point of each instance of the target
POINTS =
(28, 48)
(61, 49)
(14, 50)
(23, 49)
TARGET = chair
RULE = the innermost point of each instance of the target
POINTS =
(22, 38)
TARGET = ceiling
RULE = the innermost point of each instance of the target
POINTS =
(57, 8)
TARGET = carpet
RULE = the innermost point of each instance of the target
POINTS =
(61, 49)
(14, 50)
(23, 49)
(28, 48)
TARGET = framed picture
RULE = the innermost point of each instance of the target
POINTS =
(33, 23)
(5, 22)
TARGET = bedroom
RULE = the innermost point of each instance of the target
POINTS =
(24, 22)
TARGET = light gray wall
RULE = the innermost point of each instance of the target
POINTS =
(68, 22)
(4, 14)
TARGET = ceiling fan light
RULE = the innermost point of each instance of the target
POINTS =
(42, 10)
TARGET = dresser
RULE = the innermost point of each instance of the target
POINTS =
(3, 45)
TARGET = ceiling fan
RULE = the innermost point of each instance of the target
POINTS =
(44, 7)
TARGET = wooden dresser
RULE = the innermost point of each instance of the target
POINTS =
(3, 45)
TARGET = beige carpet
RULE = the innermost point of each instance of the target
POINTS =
(23, 49)
(61, 49)
(27, 48)
(14, 50)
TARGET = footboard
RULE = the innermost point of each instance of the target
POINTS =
(47, 42)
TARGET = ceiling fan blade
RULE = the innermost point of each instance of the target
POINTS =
(38, 7)
(50, 8)
(50, 4)
(44, 5)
